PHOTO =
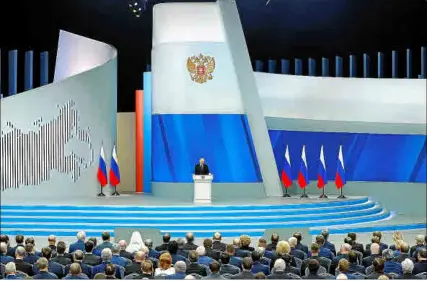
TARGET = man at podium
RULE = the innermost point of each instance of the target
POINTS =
(201, 169)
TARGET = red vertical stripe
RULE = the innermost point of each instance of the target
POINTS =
(139, 142)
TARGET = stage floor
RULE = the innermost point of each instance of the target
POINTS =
(149, 200)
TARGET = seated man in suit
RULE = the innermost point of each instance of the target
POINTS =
(214, 268)
(313, 266)
(201, 169)
(323, 252)
(343, 267)
(106, 256)
(207, 243)
(190, 242)
(164, 246)
(19, 239)
(289, 268)
(274, 240)
(257, 266)
(75, 271)
(226, 267)
(90, 258)
(374, 253)
(193, 266)
(343, 254)
(4, 258)
(78, 259)
(355, 246)
(180, 269)
(135, 267)
(293, 242)
(314, 256)
(30, 254)
(236, 261)
(327, 244)
(279, 270)
(262, 243)
(391, 266)
(246, 272)
(20, 264)
(44, 273)
(203, 258)
(354, 266)
(407, 268)
(80, 244)
(151, 252)
(173, 251)
(217, 244)
(402, 253)
(53, 267)
(300, 246)
(419, 243)
(379, 235)
(123, 253)
(421, 265)
(60, 254)
(105, 243)
(147, 270)
(10, 271)
(378, 269)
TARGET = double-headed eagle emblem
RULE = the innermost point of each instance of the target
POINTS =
(200, 68)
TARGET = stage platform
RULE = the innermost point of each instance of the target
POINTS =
(233, 218)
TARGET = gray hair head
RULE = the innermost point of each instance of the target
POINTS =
(388, 254)
(106, 255)
(122, 244)
(81, 235)
(293, 242)
(148, 243)
(115, 249)
(201, 251)
(407, 266)
(180, 266)
(279, 265)
(10, 268)
(375, 248)
(190, 277)
(75, 269)
(42, 263)
(3, 248)
(20, 251)
(181, 242)
(260, 251)
(236, 242)
(345, 247)
(419, 239)
(145, 249)
(342, 276)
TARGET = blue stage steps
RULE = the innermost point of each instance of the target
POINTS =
(231, 221)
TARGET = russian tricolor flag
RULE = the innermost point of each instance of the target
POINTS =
(303, 180)
(114, 169)
(286, 172)
(102, 169)
(340, 175)
(322, 179)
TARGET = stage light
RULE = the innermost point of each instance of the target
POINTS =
(137, 7)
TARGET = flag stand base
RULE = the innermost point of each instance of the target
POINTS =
(304, 196)
(101, 194)
(341, 195)
(286, 193)
(115, 193)
(323, 196)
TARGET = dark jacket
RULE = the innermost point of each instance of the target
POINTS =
(330, 246)
(75, 277)
(322, 261)
(259, 267)
(219, 246)
(358, 247)
(91, 259)
(216, 255)
(313, 276)
(153, 253)
(302, 247)
(190, 246)
(101, 269)
(125, 254)
(407, 276)
(236, 261)
(298, 254)
(335, 262)
(230, 269)
(196, 268)
(354, 267)
(86, 269)
(24, 267)
(213, 276)
(178, 275)
(279, 275)
(31, 258)
(419, 267)
(201, 170)
(163, 247)
(243, 275)
(79, 245)
(271, 247)
(367, 262)
(45, 275)
(53, 267)
(135, 267)
(4, 259)
(62, 260)
(392, 267)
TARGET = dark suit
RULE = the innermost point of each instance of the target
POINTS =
(45, 275)
(91, 259)
(259, 267)
(367, 262)
(279, 275)
(31, 258)
(230, 269)
(322, 261)
(271, 247)
(125, 254)
(196, 268)
(407, 276)
(62, 260)
(213, 254)
(53, 267)
(335, 262)
(330, 246)
(419, 267)
(79, 245)
(313, 276)
(358, 247)
(190, 246)
(176, 258)
(101, 269)
(24, 267)
(243, 275)
(356, 268)
(135, 267)
(402, 257)
(4, 259)
(178, 275)
(202, 170)
(86, 269)
(153, 253)
(236, 261)
(298, 254)
(392, 267)
(213, 276)
(163, 247)
(302, 247)
(219, 246)
(291, 269)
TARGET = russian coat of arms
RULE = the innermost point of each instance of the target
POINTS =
(201, 68)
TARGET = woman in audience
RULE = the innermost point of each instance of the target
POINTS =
(398, 240)
(165, 265)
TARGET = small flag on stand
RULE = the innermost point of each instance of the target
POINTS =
(340, 180)
(102, 171)
(286, 173)
(303, 180)
(114, 171)
(322, 179)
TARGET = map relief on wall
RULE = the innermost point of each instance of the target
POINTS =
(29, 156)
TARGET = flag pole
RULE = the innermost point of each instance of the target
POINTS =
(115, 191)
(101, 193)
(341, 195)
(304, 195)
(323, 193)
(286, 193)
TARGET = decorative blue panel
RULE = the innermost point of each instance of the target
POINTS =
(259, 66)
(44, 68)
(147, 132)
(298, 67)
(380, 65)
(272, 66)
(353, 67)
(394, 71)
(424, 62)
(325, 67)
(338, 66)
(408, 63)
(285, 67)
(366, 66)
(311, 67)
(13, 72)
(28, 70)
(367, 157)
(224, 140)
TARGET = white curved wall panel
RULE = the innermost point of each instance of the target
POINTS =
(343, 99)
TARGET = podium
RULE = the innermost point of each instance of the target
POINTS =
(202, 189)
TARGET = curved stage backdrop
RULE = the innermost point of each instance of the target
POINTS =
(51, 136)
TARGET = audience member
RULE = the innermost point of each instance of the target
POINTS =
(343, 267)
(245, 242)
(190, 242)
(105, 243)
(323, 252)
(19, 239)
(260, 275)
(30, 254)
(293, 242)
(203, 258)
(236, 261)
(374, 253)
(10, 271)
(60, 254)
(53, 267)
(421, 265)
(147, 270)
(419, 243)
(90, 258)
(300, 246)
(80, 244)
(164, 245)
(327, 244)
(136, 265)
(123, 253)
(226, 267)
(354, 265)
(151, 252)
(343, 254)
(342, 276)
(257, 266)
(313, 268)
(391, 266)
(274, 239)
(4, 258)
(355, 246)
(165, 265)
(246, 272)
(117, 259)
(181, 251)
(78, 259)
(43, 272)
(110, 270)
(289, 268)
(402, 253)
(314, 256)
(20, 264)
(106, 256)
(378, 269)
(75, 271)
(279, 270)
(194, 266)
(180, 269)
(173, 251)
(52, 244)
(217, 244)
(407, 269)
